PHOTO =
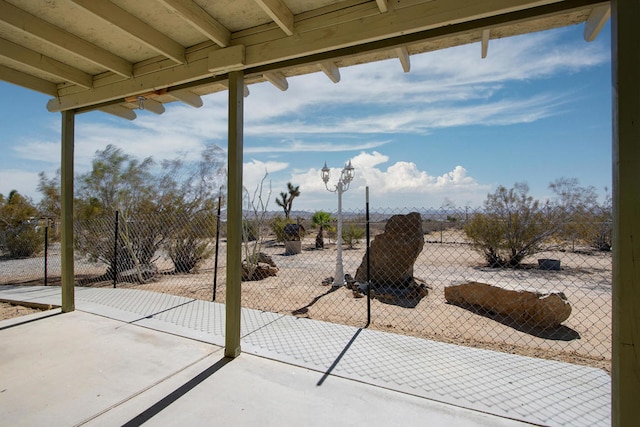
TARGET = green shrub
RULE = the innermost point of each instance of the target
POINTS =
(277, 225)
(352, 234)
(19, 234)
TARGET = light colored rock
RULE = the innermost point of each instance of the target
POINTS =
(532, 309)
(394, 252)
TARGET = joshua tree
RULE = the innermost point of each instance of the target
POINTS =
(286, 199)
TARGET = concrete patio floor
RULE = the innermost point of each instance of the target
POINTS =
(125, 357)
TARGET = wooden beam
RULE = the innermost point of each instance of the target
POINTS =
(331, 70)
(324, 39)
(233, 306)
(277, 79)
(221, 61)
(403, 55)
(135, 27)
(280, 13)
(382, 5)
(485, 42)
(66, 211)
(625, 70)
(120, 111)
(24, 23)
(187, 97)
(596, 20)
(151, 105)
(197, 17)
(35, 60)
(444, 17)
(28, 81)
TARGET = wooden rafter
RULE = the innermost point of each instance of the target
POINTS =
(32, 26)
(26, 80)
(134, 26)
(485, 42)
(403, 55)
(187, 97)
(199, 19)
(331, 70)
(280, 13)
(277, 79)
(597, 18)
(30, 58)
(382, 5)
(119, 111)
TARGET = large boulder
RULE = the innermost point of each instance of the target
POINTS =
(393, 253)
(528, 308)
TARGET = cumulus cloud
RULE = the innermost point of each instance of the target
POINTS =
(394, 185)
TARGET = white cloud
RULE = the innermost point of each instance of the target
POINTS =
(400, 183)
(255, 170)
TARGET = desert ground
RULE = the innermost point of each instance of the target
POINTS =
(298, 290)
(9, 311)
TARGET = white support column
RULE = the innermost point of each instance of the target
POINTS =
(625, 38)
(234, 214)
(66, 207)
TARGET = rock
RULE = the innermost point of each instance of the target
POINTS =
(533, 309)
(394, 252)
(327, 281)
(261, 271)
(266, 259)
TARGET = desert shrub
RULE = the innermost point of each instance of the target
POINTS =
(188, 253)
(20, 236)
(277, 225)
(190, 243)
(352, 234)
(512, 227)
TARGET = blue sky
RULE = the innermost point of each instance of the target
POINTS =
(453, 129)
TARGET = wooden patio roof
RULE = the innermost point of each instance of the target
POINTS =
(121, 55)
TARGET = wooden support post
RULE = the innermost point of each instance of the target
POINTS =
(625, 38)
(234, 214)
(66, 208)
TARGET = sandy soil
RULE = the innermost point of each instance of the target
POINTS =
(585, 278)
(9, 311)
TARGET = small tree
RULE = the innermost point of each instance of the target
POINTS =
(320, 220)
(191, 192)
(512, 226)
(256, 208)
(584, 218)
(118, 182)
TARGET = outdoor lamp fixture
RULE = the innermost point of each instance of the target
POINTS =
(346, 176)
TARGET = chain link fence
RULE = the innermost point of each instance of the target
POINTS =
(526, 284)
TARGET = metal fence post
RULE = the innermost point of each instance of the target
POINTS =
(215, 264)
(115, 251)
(46, 251)
(368, 263)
